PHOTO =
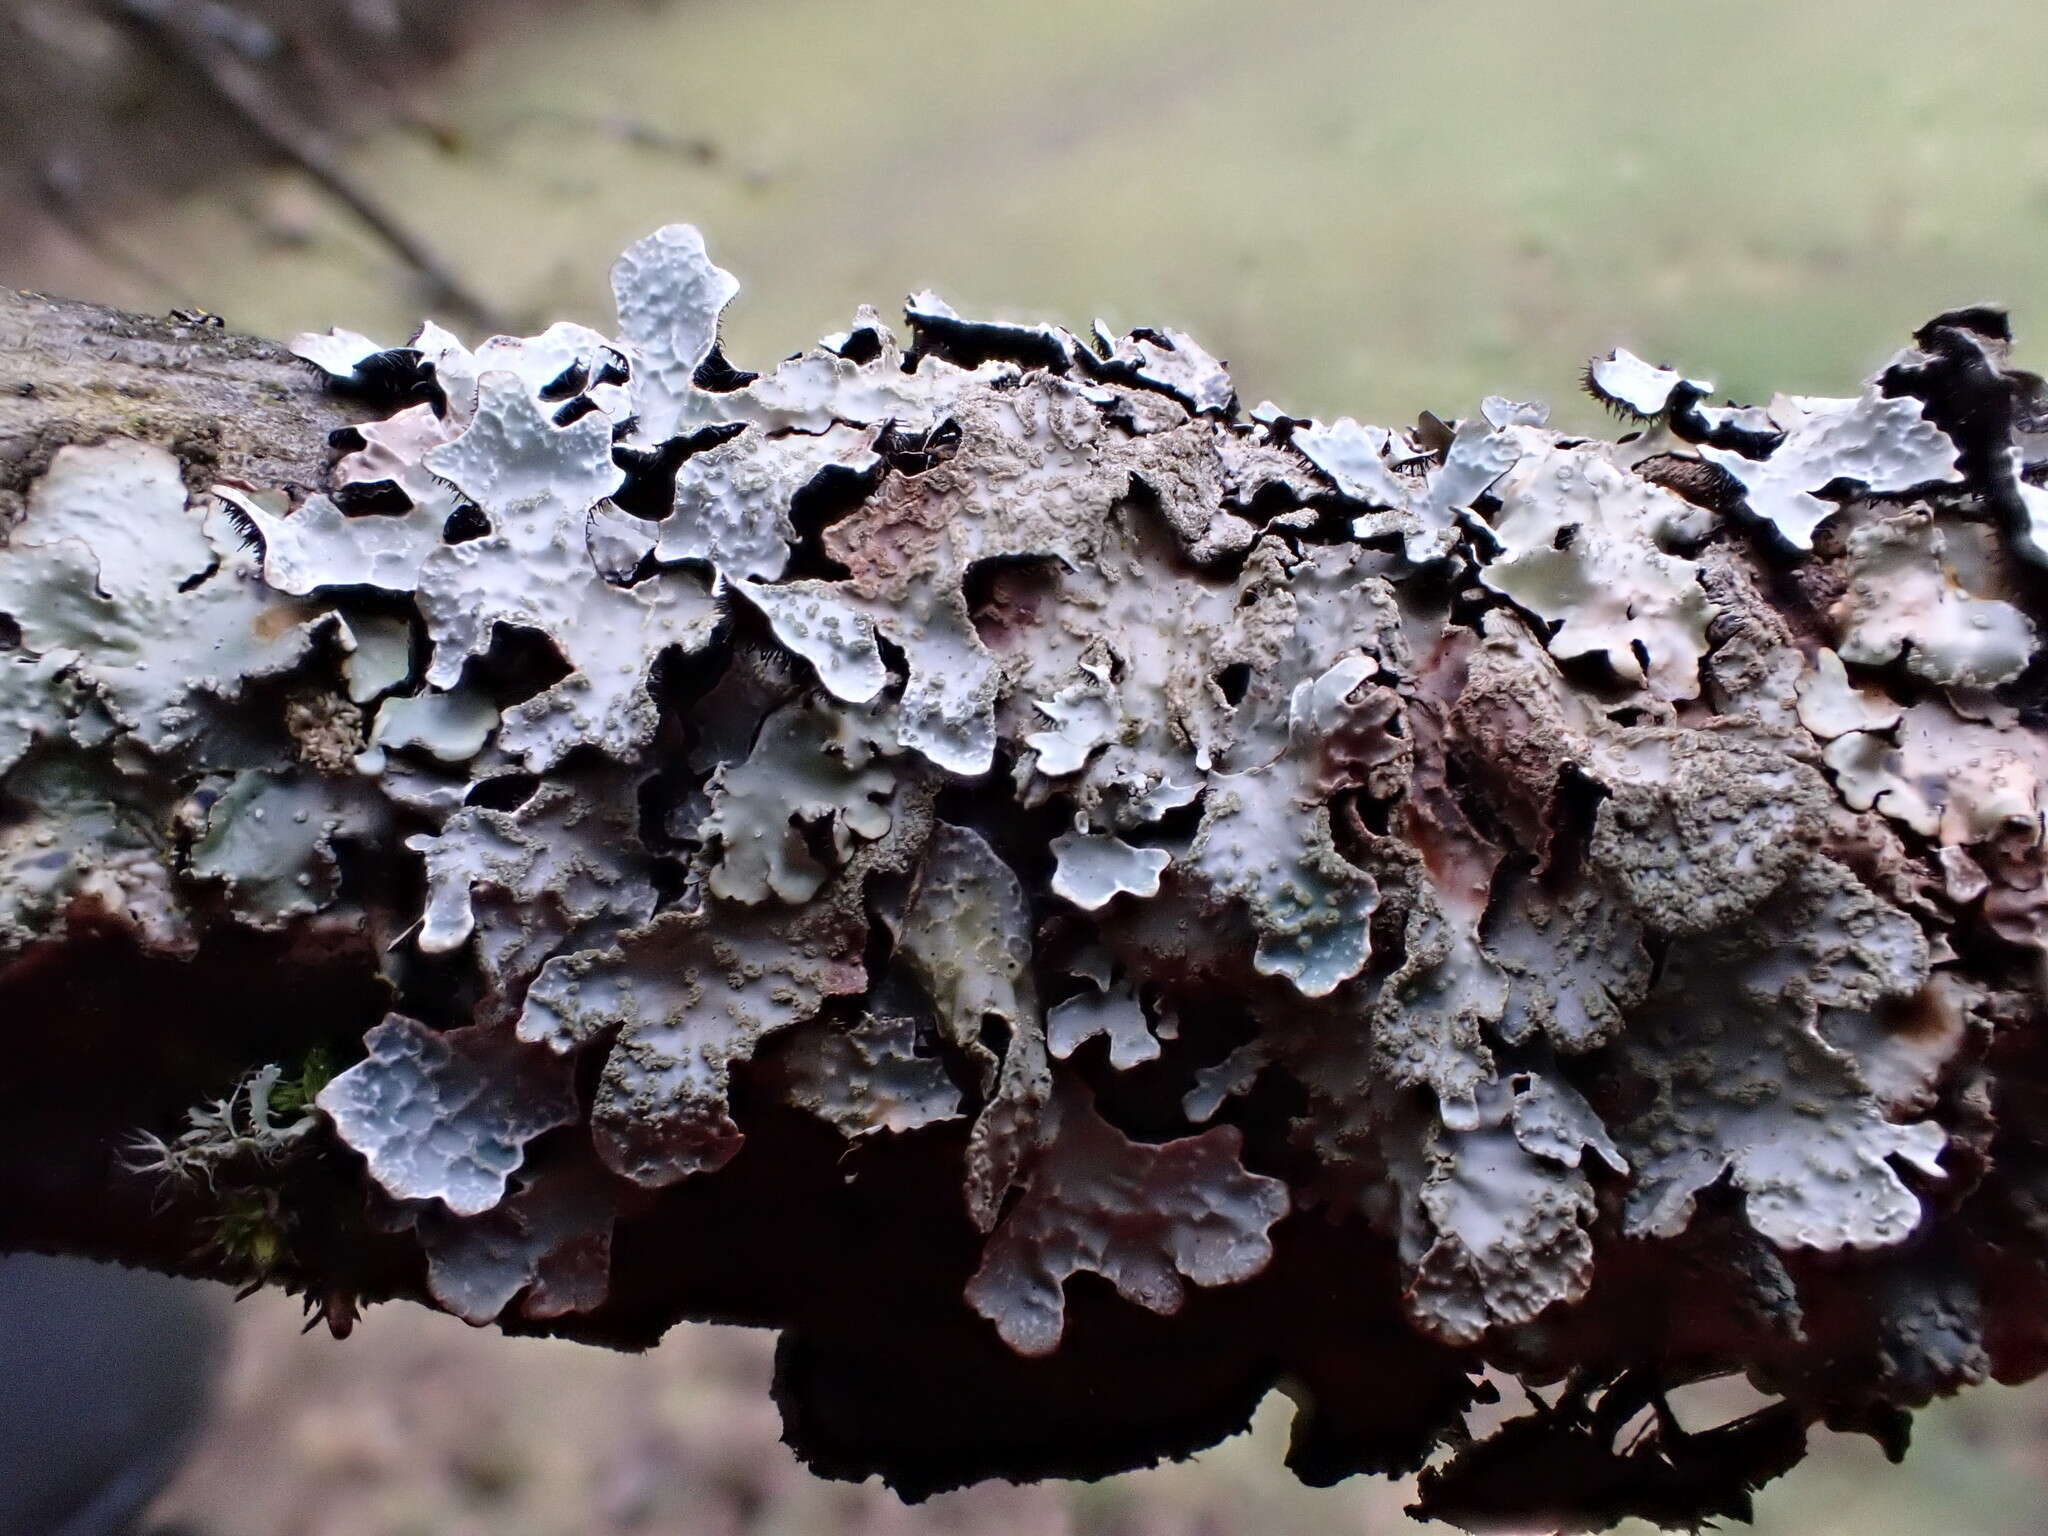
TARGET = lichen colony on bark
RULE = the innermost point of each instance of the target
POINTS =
(1080, 901)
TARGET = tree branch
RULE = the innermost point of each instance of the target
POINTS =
(1075, 902)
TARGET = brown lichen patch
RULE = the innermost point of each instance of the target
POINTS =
(326, 731)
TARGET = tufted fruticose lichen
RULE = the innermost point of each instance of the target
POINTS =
(1077, 901)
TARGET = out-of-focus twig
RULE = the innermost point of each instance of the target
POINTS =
(57, 181)
(185, 34)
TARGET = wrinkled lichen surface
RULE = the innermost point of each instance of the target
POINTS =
(1082, 901)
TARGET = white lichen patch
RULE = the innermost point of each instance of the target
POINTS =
(1094, 868)
(732, 502)
(1081, 717)
(967, 938)
(565, 866)
(33, 702)
(1831, 705)
(451, 726)
(1884, 444)
(816, 777)
(1495, 1216)
(75, 850)
(669, 298)
(1635, 387)
(446, 1116)
(338, 353)
(1578, 551)
(379, 655)
(316, 545)
(547, 1246)
(1227, 1079)
(1148, 1219)
(1354, 459)
(686, 999)
(1172, 361)
(1904, 596)
(269, 839)
(1429, 1021)
(1745, 1084)
(815, 621)
(872, 1076)
(1113, 1012)
(1575, 965)
(536, 483)
(1477, 456)
(1266, 842)
(110, 566)
(1957, 781)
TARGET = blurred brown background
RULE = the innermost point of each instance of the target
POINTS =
(1368, 208)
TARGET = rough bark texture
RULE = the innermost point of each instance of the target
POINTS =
(229, 406)
(1077, 902)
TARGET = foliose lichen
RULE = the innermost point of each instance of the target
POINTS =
(1595, 895)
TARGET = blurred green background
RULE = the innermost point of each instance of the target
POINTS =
(1370, 209)
(1367, 208)
(420, 1426)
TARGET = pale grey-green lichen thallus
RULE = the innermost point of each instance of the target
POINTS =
(1533, 848)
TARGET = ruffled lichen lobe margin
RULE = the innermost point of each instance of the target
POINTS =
(1077, 901)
